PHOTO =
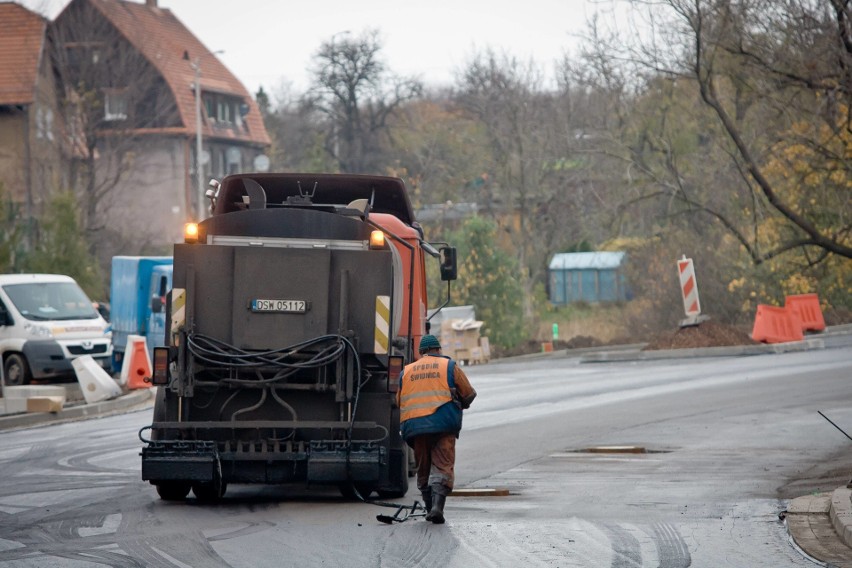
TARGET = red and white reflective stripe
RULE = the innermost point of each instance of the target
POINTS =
(688, 287)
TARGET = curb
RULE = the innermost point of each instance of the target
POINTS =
(94, 410)
(570, 353)
(730, 351)
(633, 351)
(820, 527)
(840, 512)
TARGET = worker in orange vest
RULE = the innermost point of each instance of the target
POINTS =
(433, 392)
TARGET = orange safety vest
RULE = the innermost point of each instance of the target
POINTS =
(425, 387)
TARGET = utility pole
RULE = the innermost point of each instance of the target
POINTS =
(199, 166)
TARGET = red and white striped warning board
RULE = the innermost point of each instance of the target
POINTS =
(688, 287)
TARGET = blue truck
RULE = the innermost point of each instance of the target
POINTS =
(138, 289)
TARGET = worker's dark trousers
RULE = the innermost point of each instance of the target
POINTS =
(436, 458)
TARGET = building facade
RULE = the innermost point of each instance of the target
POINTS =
(135, 94)
(30, 122)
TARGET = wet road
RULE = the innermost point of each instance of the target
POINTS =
(729, 440)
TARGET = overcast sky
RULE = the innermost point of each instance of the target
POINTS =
(270, 43)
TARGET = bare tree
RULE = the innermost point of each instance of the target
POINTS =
(356, 93)
(775, 81)
(531, 144)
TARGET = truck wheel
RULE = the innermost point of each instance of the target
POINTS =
(173, 490)
(348, 490)
(15, 370)
(209, 491)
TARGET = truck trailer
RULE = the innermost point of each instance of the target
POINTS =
(138, 289)
(294, 308)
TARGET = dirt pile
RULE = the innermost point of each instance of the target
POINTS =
(707, 334)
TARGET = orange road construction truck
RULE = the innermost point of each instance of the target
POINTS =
(293, 310)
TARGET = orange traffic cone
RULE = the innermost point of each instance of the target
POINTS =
(776, 325)
(139, 372)
(806, 307)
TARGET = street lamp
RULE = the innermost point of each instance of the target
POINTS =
(199, 167)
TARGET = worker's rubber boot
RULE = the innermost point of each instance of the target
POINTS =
(427, 499)
(436, 515)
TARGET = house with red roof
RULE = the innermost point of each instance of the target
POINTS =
(137, 94)
(30, 157)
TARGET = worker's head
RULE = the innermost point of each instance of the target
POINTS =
(429, 342)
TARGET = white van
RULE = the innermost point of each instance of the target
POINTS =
(46, 320)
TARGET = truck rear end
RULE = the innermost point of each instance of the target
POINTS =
(293, 311)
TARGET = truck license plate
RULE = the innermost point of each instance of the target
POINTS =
(282, 306)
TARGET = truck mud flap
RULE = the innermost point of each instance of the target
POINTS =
(184, 460)
(334, 463)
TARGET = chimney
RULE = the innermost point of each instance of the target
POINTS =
(151, 3)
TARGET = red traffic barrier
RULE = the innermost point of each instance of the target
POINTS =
(776, 325)
(689, 288)
(139, 374)
(806, 307)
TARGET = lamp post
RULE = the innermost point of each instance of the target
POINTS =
(199, 167)
(196, 66)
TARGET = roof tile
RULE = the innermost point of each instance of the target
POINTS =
(22, 35)
(164, 40)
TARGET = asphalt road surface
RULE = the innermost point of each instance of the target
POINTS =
(728, 441)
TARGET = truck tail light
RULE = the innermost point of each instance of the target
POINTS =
(190, 233)
(394, 371)
(377, 239)
(161, 366)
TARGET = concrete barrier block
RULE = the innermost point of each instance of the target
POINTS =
(28, 391)
(95, 383)
(14, 405)
(45, 403)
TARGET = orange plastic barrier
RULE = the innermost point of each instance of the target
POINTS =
(806, 307)
(140, 367)
(776, 325)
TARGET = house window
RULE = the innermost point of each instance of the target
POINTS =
(115, 104)
(234, 160)
(44, 123)
(223, 110)
(222, 168)
(210, 106)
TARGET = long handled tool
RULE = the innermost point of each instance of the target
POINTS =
(835, 425)
(403, 513)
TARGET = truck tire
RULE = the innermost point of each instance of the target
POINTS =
(15, 370)
(209, 492)
(348, 490)
(173, 490)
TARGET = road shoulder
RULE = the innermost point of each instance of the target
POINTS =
(132, 400)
